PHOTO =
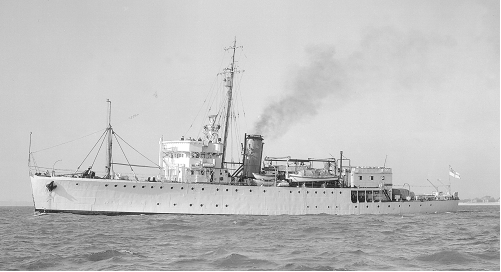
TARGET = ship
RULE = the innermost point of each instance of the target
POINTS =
(195, 177)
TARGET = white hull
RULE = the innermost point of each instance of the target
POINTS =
(92, 196)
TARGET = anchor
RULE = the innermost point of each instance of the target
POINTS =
(51, 186)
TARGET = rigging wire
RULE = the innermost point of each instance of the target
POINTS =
(135, 176)
(67, 142)
(104, 133)
(92, 165)
(136, 150)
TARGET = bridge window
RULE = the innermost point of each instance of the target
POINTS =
(361, 196)
(354, 196)
(369, 196)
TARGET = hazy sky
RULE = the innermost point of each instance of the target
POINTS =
(416, 81)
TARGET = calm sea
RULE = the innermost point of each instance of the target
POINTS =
(465, 240)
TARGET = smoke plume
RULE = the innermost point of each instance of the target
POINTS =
(307, 89)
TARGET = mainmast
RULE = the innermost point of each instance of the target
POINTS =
(110, 142)
(229, 72)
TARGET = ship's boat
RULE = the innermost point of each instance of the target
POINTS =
(265, 177)
(196, 176)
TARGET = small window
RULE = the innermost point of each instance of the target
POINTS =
(372, 177)
(360, 177)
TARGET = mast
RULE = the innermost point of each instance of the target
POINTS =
(110, 142)
(229, 84)
(29, 156)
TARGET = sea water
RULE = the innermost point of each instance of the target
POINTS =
(463, 240)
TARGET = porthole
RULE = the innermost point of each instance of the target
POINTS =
(217, 205)
(336, 207)
(388, 206)
(307, 192)
(250, 190)
(142, 186)
(116, 185)
(324, 192)
(192, 188)
(151, 187)
(367, 206)
(171, 188)
(133, 186)
(316, 207)
(328, 207)
(378, 206)
(307, 206)
(191, 205)
(399, 206)
(182, 188)
(226, 205)
(356, 206)
(291, 192)
(226, 190)
(175, 204)
(217, 189)
(201, 205)
(106, 185)
(161, 187)
(409, 205)
(264, 191)
(158, 204)
(316, 192)
(236, 190)
(203, 189)
(339, 192)
(77, 183)
(298, 192)
(125, 186)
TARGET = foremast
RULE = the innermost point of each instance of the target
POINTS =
(109, 131)
(229, 73)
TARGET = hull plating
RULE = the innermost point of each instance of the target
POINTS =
(100, 196)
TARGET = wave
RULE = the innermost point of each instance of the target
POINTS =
(445, 257)
(238, 261)
(107, 254)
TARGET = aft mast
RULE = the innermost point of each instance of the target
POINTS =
(110, 142)
(229, 84)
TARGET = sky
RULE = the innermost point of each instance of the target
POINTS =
(412, 85)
